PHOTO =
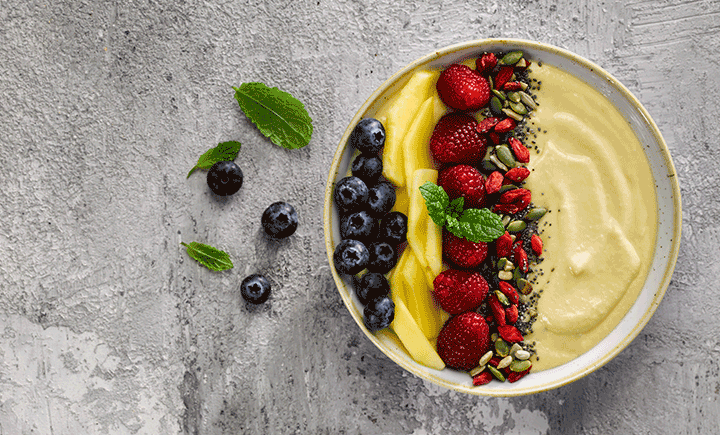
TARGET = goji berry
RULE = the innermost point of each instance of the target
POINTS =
(507, 124)
(497, 309)
(482, 378)
(503, 76)
(494, 182)
(518, 174)
(509, 291)
(511, 314)
(536, 244)
(516, 376)
(520, 258)
(503, 245)
(510, 333)
(512, 86)
(487, 124)
(485, 63)
(522, 154)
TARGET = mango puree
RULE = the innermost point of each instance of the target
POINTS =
(599, 236)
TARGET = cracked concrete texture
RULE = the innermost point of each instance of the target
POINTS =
(107, 327)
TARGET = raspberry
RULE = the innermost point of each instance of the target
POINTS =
(462, 252)
(462, 88)
(463, 340)
(457, 291)
(455, 140)
(465, 181)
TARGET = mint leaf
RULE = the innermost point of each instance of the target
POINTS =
(278, 115)
(212, 258)
(480, 225)
(436, 201)
(222, 152)
(456, 207)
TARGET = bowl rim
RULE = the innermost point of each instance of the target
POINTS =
(669, 264)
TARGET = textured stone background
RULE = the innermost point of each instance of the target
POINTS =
(106, 326)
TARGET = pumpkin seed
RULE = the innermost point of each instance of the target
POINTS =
(516, 226)
(535, 213)
(506, 220)
(496, 106)
(505, 155)
(505, 362)
(486, 358)
(497, 373)
(503, 300)
(511, 58)
(507, 187)
(500, 165)
(524, 286)
(518, 108)
(527, 100)
(505, 275)
(500, 94)
(494, 336)
(512, 114)
(486, 163)
(522, 354)
(519, 366)
(502, 262)
(514, 97)
(502, 348)
(477, 370)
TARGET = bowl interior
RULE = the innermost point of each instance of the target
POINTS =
(667, 241)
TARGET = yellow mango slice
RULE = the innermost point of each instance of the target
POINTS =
(419, 299)
(402, 201)
(412, 337)
(416, 145)
(422, 237)
(382, 113)
(399, 117)
(397, 283)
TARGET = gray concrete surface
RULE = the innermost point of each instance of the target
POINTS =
(107, 327)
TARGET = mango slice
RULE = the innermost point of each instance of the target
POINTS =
(424, 238)
(419, 300)
(416, 145)
(412, 337)
(399, 117)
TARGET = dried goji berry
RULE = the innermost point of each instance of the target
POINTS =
(518, 174)
(511, 314)
(516, 376)
(522, 154)
(503, 245)
(510, 333)
(513, 201)
(494, 182)
(520, 258)
(512, 86)
(509, 291)
(485, 63)
(503, 76)
(536, 244)
(482, 378)
(507, 124)
(497, 309)
(487, 124)
(494, 138)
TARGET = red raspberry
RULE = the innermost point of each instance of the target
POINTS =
(457, 291)
(455, 140)
(462, 252)
(465, 181)
(462, 88)
(463, 340)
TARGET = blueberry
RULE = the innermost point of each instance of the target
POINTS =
(351, 257)
(280, 220)
(381, 199)
(368, 136)
(358, 226)
(224, 178)
(370, 286)
(393, 228)
(367, 168)
(382, 257)
(351, 194)
(379, 313)
(255, 289)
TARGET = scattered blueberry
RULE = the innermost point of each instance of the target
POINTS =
(382, 257)
(370, 286)
(381, 198)
(255, 289)
(368, 136)
(280, 220)
(379, 313)
(225, 178)
(351, 194)
(359, 226)
(367, 168)
(393, 228)
(351, 257)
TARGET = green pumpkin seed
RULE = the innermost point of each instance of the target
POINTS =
(501, 263)
(535, 213)
(519, 366)
(512, 114)
(500, 94)
(514, 97)
(503, 300)
(507, 187)
(497, 373)
(505, 155)
(527, 100)
(496, 106)
(501, 348)
(494, 336)
(517, 274)
(511, 58)
(524, 286)
(522, 354)
(516, 226)
(518, 108)
(498, 164)
(486, 358)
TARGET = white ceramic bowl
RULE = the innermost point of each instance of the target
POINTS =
(668, 202)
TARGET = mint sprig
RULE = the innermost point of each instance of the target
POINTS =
(474, 224)
(224, 151)
(278, 115)
(210, 257)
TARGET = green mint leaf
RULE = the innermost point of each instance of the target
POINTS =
(456, 207)
(212, 258)
(479, 225)
(222, 152)
(278, 115)
(436, 201)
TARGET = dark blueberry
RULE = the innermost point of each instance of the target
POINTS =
(367, 168)
(358, 226)
(255, 289)
(379, 313)
(382, 257)
(224, 178)
(393, 228)
(381, 199)
(368, 136)
(280, 220)
(351, 194)
(351, 257)
(370, 286)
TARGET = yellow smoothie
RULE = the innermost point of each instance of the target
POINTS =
(599, 236)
